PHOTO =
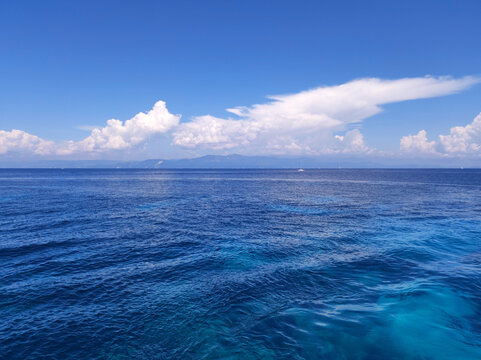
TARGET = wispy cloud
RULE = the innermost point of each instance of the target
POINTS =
(87, 127)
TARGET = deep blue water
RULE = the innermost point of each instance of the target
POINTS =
(240, 264)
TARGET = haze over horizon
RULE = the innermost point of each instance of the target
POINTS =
(185, 81)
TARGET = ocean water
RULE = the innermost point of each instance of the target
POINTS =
(240, 264)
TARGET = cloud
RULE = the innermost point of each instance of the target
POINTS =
(87, 127)
(118, 135)
(462, 140)
(215, 133)
(312, 122)
(23, 142)
(418, 143)
(310, 118)
(352, 142)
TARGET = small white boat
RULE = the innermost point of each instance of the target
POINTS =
(300, 169)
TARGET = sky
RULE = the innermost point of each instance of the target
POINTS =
(172, 79)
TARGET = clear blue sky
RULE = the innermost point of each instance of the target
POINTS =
(66, 64)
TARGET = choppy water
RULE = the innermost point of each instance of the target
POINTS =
(325, 264)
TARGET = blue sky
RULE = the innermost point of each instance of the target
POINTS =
(70, 66)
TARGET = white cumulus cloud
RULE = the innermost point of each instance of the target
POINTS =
(352, 142)
(461, 140)
(118, 135)
(23, 142)
(210, 131)
(308, 120)
(418, 143)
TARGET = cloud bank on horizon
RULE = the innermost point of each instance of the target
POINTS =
(313, 122)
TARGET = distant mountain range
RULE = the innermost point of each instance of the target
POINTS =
(237, 162)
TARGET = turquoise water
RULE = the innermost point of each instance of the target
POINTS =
(240, 264)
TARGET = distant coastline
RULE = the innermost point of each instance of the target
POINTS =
(244, 162)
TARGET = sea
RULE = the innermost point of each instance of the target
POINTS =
(240, 264)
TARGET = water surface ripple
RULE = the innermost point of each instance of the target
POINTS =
(240, 264)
